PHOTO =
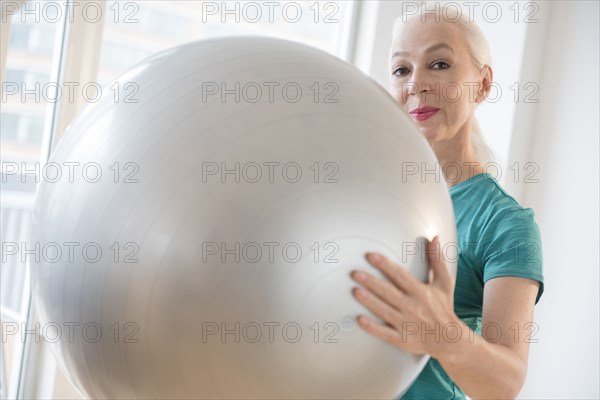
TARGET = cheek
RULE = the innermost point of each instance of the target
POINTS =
(458, 102)
(397, 94)
(452, 93)
(456, 113)
(453, 88)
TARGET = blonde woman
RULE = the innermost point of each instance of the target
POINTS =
(440, 72)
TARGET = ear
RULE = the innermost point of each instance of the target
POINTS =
(485, 83)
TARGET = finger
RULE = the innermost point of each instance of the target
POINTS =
(377, 306)
(437, 263)
(382, 331)
(395, 273)
(382, 289)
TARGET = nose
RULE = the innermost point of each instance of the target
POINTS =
(419, 83)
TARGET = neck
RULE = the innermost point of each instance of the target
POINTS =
(457, 159)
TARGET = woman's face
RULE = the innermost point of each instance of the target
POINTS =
(434, 77)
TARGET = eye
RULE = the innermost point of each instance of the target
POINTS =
(401, 71)
(441, 64)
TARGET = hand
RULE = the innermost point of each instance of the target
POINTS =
(416, 314)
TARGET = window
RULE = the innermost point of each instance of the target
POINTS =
(133, 31)
(25, 111)
(38, 40)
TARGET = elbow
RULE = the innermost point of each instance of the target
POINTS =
(508, 389)
(512, 389)
(513, 392)
(515, 385)
(517, 381)
(504, 393)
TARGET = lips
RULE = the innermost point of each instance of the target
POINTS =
(423, 113)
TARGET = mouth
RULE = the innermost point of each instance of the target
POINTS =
(423, 113)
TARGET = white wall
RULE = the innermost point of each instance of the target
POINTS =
(565, 364)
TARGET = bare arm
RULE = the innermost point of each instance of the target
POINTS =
(494, 365)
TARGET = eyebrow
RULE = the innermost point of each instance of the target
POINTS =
(428, 50)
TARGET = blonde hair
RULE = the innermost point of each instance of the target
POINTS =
(478, 48)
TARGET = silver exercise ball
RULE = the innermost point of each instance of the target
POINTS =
(211, 206)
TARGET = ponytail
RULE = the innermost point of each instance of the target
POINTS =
(483, 153)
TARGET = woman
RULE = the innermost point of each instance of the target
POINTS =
(499, 277)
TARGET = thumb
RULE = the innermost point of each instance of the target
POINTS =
(437, 264)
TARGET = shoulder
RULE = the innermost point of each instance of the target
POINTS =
(501, 235)
(510, 237)
(483, 204)
(488, 217)
(503, 210)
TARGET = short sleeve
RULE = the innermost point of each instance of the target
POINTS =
(514, 247)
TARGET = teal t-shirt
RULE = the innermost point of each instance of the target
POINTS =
(496, 237)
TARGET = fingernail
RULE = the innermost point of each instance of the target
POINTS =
(360, 276)
(362, 293)
(374, 257)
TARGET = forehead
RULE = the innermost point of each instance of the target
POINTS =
(414, 35)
